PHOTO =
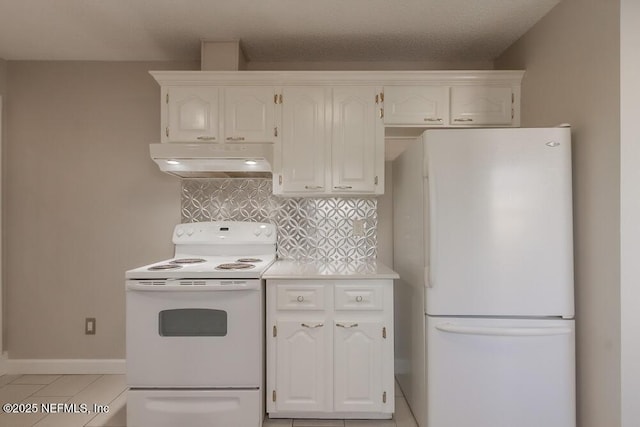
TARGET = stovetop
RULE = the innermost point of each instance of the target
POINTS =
(216, 267)
(215, 250)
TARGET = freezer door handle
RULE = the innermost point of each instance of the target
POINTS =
(504, 332)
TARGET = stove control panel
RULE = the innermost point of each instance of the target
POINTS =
(224, 232)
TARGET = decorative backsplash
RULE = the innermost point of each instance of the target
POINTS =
(308, 228)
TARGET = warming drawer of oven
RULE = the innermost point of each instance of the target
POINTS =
(189, 285)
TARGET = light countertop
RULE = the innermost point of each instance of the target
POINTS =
(291, 269)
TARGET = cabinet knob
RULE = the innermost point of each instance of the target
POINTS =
(300, 298)
(359, 298)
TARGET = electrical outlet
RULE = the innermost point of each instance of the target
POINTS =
(358, 227)
(90, 326)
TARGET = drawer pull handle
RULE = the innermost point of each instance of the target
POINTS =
(206, 138)
(429, 119)
(341, 325)
(359, 298)
(462, 120)
(300, 298)
(235, 138)
(343, 187)
(318, 325)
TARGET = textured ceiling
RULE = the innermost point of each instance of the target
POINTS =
(269, 30)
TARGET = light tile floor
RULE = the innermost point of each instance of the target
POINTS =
(109, 391)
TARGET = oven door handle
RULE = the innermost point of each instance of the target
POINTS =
(193, 285)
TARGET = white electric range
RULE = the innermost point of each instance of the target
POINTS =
(195, 329)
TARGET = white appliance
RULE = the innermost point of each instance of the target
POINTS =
(214, 160)
(195, 328)
(484, 248)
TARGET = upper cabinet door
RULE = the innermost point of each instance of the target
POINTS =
(305, 139)
(191, 114)
(482, 105)
(416, 105)
(249, 114)
(357, 139)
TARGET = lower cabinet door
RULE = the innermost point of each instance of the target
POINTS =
(358, 369)
(302, 366)
(194, 408)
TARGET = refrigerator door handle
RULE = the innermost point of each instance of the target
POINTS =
(505, 332)
(427, 278)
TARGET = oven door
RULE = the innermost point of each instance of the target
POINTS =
(194, 334)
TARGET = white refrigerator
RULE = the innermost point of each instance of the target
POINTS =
(483, 243)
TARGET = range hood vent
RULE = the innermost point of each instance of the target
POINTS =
(214, 160)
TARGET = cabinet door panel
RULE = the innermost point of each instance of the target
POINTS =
(415, 105)
(358, 378)
(302, 365)
(354, 139)
(192, 114)
(481, 105)
(304, 139)
(249, 114)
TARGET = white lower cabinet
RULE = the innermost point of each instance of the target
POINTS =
(330, 349)
(358, 381)
(302, 365)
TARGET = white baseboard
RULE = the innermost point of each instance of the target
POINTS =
(62, 366)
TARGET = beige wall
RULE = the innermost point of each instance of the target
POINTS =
(630, 211)
(572, 67)
(3, 76)
(82, 202)
(3, 88)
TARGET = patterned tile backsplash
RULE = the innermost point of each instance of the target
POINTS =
(308, 228)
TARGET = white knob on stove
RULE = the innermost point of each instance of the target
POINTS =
(268, 232)
(179, 232)
(189, 231)
(257, 231)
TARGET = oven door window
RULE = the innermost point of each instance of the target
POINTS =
(192, 322)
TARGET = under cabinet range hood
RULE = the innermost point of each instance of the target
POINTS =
(231, 160)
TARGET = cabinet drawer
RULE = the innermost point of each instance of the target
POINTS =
(307, 297)
(358, 297)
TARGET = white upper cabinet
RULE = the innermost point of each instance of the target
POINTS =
(249, 114)
(482, 105)
(357, 140)
(416, 105)
(332, 141)
(328, 128)
(190, 114)
(305, 143)
(219, 114)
